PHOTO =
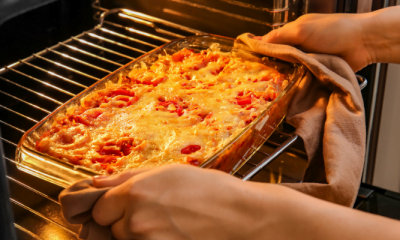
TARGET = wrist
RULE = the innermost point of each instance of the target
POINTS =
(380, 36)
(369, 38)
(268, 211)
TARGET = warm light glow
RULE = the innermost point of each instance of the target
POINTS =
(106, 30)
(54, 74)
(140, 32)
(67, 56)
(135, 13)
(72, 47)
(147, 34)
(280, 175)
(135, 19)
(59, 64)
(291, 154)
(11, 65)
(97, 36)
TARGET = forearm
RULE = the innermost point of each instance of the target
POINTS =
(288, 214)
(381, 34)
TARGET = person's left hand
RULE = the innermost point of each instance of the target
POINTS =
(173, 202)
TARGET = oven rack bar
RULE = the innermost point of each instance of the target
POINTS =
(90, 56)
(30, 90)
(269, 158)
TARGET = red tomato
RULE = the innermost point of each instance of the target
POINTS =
(179, 110)
(132, 101)
(110, 150)
(154, 82)
(193, 162)
(184, 53)
(190, 149)
(243, 102)
(88, 116)
(121, 92)
(266, 78)
(126, 148)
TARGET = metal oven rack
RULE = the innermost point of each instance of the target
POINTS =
(33, 87)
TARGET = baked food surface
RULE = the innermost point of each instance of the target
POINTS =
(181, 109)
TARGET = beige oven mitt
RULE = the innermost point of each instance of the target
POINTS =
(328, 114)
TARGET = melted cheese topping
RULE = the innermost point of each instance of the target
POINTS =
(182, 109)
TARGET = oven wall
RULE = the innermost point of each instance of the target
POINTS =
(387, 164)
(28, 28)
(227, 18)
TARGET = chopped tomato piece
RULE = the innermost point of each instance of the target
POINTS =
(88, 116)
(121, 92)
(82, 120)
(193, 161)
(132, 101)
(178, 107)
(179, 110)
(154, 82)
(243, 102)
(244, 99)
(184, 53)
(190, 149)
(93, 113)
(126, 148)
(203, 116)
(209, 116)
(110, 150)
(122, 98)
(266, 78)
(250, 107)
(75, 159)
(214, 57)
(217, 71)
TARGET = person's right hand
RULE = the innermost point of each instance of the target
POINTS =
(337, 34)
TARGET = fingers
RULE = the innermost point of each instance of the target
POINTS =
(117, 179)
(119, 230)
(287, 34)
(110, 207)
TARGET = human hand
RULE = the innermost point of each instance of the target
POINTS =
(185, 202)
(337, 34)
(174, 202)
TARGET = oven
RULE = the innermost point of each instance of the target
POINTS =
(58, 48)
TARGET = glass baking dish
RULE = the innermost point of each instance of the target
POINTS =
(229, 158)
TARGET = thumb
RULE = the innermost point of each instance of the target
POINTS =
(102, 181)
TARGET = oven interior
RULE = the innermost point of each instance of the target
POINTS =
(104, 40)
